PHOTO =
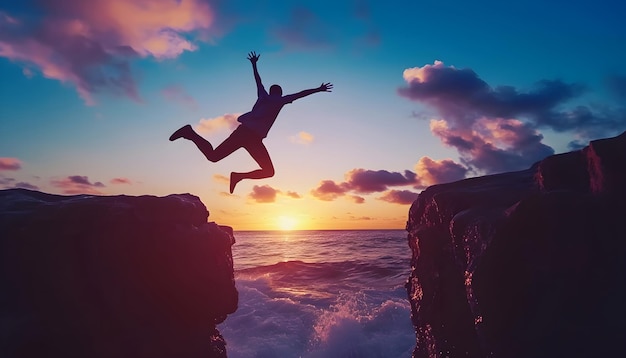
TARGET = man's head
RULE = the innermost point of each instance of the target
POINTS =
(276, 90)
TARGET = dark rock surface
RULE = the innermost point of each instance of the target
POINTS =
(112, 276)
(524, 264)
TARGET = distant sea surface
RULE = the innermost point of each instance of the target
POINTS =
(320, 294)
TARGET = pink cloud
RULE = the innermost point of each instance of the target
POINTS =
(403, 197)
(176, 93)
(422, 74)
(302, 138)
(328, 190)
(221, 178)
(263, 194)
(493, 145)
(120, 181)
(493, 129)
(432, 172)
(293, 194)
(78, 184)
(10, 163)
(357, 199)
(361, 218)
(90, 44)
(211, 125)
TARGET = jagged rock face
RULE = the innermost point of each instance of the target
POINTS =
(117, 276)
(524, 264)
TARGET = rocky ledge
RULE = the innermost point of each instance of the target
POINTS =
(524, 264)
(112, 276)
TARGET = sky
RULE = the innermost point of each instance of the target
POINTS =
(425, 92)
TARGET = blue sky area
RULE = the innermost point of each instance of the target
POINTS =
(425, 92)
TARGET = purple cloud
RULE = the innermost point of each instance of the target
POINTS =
(365, 181)
(10, 163)
(461, 97)
(357, 199)
(120, 181)
(467, 103)
(6, 182)
(25, 185)
(263, 194)
(496, 129)
(370, 181)
(402, 197)
(328, 190)
(78, 184)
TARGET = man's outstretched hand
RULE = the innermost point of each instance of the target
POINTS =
(325, 87)
(253, 57)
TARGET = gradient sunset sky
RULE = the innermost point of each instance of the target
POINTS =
(425, 92)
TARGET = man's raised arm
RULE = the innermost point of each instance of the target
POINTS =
(324, 87)
(253, 58)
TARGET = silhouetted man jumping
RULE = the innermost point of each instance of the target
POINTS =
(253, 128)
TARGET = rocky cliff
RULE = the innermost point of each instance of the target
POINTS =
(524, 264)
(116, 276)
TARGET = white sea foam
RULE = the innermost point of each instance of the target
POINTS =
(327, 307)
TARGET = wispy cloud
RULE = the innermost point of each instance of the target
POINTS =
(91, 44)
(10, 183)
(302, 138)
(6, 182)
(26, 185)
(10, 163)
(77, 184)
(303, 29)
(120, 181)
(221, 178)
(177, 93)
(293, 194)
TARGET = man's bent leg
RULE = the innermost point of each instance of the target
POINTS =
(232, 143)
(259, 153)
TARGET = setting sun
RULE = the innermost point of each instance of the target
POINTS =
(287, 222)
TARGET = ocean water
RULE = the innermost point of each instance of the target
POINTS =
(320, 294)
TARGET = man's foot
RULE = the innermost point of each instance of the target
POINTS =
(234, 179)
(182, 132)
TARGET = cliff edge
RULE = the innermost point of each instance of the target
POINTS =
(112, 276)
(524, 264)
